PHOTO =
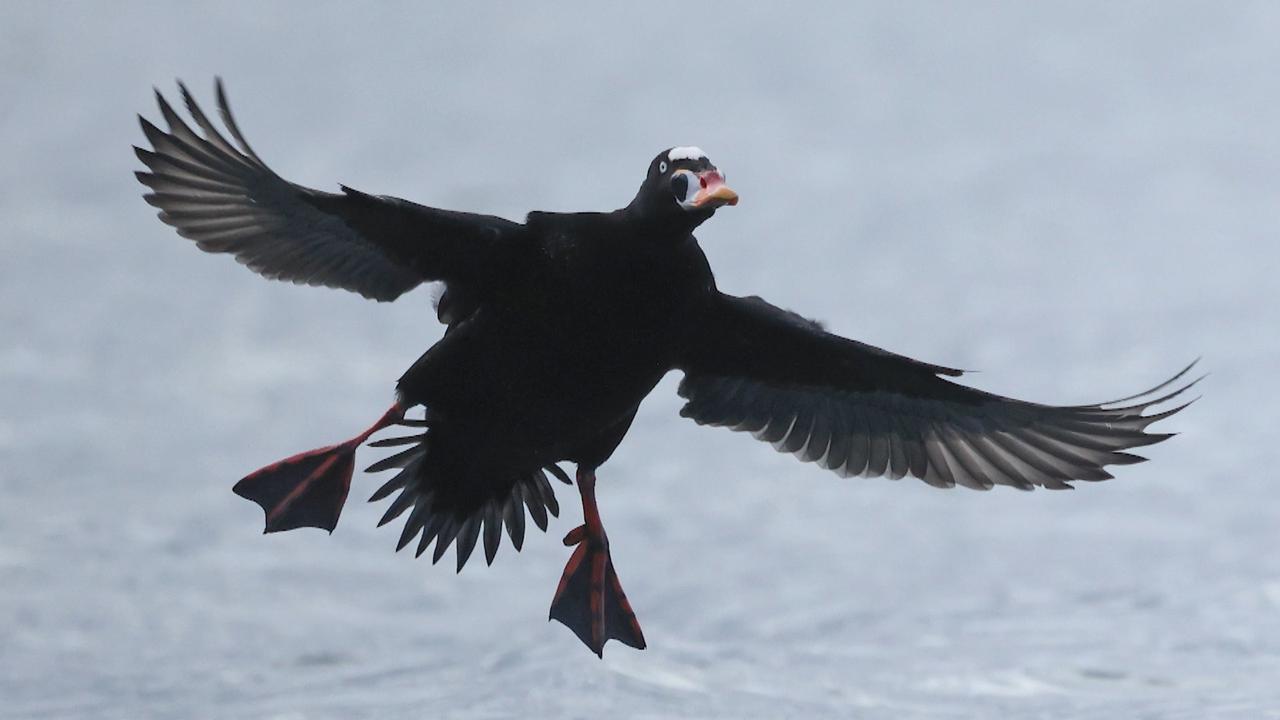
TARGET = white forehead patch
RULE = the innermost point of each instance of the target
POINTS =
(685, 153)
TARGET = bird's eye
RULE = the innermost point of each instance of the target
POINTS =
(662, 166)
(680, 186)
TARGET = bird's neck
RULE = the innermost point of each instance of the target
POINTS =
(644, 221)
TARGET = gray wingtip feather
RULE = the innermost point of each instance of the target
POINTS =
(224, 109)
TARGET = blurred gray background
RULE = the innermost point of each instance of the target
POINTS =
(1075, 200)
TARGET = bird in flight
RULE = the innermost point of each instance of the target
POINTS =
(557, 328)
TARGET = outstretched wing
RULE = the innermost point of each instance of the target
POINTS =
(227, 200)
(859, 410)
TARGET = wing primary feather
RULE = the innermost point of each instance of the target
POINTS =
(1134, 411)
(169, 164)
(196, 148)
(1100, 438)
(1017, 477)
(209, 129)
(1150, 391)
(204, 215)
(174, 147)
(967, 468)
(1051, 476)
(224, 109)
(1082, 466)
(936, 472)
(189, 187)
(1157, 417)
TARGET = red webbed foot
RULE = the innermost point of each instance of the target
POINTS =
(589, 600)
(309, 489)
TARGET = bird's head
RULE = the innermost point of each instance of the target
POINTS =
(682, 187)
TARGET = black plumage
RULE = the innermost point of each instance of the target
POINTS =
(558, 327)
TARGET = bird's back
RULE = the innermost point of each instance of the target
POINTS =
(580, 328)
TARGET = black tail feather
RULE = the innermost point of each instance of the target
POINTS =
(537, 509)
(492, 531)
(445, 538)
(442, 511)
(561, 475)
(467, 539)
(393, 442)
(429, 532)
(402, 502)
(513, 517)
(399, 460)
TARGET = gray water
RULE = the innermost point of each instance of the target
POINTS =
(1075, 201)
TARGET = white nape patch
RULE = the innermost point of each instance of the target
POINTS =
(685, 153)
